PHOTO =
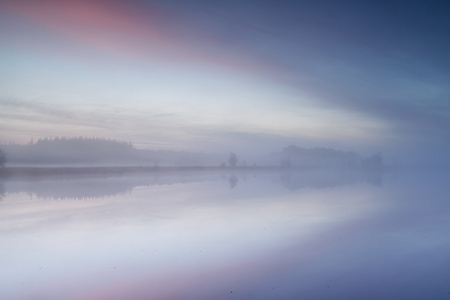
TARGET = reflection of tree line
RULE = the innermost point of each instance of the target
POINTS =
(92, 187)
(329, 179)
(100, 187)
(292, 179)
(71, 189)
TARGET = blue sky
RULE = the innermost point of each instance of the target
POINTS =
(229, 75)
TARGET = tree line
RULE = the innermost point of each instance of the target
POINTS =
(101, 151)
(98, 151)
(294, 156)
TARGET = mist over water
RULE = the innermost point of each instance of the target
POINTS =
(226, 234)
(173, 149)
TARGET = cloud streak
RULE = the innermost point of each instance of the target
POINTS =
(232, 67)
(143, 32)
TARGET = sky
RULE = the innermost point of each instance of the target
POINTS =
(254, 75)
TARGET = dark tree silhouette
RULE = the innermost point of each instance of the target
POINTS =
(324, 157)
(100, 151)
(2, 191)
(232, 160)
(2, 158)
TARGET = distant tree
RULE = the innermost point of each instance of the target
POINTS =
(2, 191)
(2, 158)
(232, 160)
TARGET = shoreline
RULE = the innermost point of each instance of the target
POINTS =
(47, 171)
(67, 171)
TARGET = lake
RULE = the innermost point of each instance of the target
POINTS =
(227, 235)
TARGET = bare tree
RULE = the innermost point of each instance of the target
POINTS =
(2, 158)
(232, 160)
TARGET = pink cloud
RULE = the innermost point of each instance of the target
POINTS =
(107, 25)
(131, 30)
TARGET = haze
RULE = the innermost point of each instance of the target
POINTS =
(235, 149)
(212, 76)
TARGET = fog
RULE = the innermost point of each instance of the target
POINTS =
(224, 149)
(227, 235)
(220, 76)
(107, 185)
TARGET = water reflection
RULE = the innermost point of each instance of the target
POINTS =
(272, 236)
(87, 186)
(327, 179)
(233, 180)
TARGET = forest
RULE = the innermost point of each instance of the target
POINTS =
(81, 151)
(98, 151)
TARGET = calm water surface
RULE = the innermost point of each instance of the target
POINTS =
(242, 235)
